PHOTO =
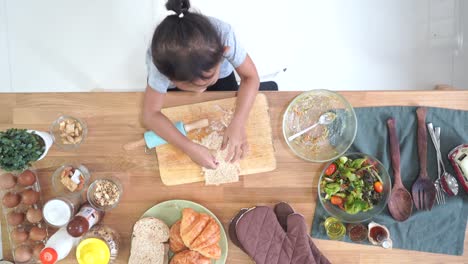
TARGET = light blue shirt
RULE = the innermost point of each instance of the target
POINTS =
(233, 58)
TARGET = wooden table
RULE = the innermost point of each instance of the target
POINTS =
(115, 118)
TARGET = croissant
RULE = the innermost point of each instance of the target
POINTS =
(189, 257)
(191, 227)
(175, 241)
(212, 251)
(200, 233)
(209, 236)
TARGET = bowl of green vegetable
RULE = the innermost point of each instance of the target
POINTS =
(323, 142)
(354, 188)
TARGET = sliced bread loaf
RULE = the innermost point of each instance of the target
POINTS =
(149, 236)
(226, 172)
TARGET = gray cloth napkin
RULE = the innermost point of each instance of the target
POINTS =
(441, 230)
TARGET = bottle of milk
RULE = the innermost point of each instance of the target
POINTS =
(58, 246)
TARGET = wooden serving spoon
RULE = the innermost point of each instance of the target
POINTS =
(400, 204)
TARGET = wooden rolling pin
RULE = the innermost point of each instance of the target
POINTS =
(152, 140)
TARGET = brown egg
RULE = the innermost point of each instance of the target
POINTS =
(19, 235)
(26, 178)
(34, 215)
(23, 254)
(30, 197)
(37, 249)
(15, 218)
(37, 233)
(7, 181)
(11, 200)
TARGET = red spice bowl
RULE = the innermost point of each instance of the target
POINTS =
(354, 187)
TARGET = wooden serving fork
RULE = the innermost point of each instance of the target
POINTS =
(423, 190)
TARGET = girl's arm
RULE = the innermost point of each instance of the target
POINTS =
(155, 120)
(235, 137)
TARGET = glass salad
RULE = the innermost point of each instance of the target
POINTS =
(353, 185)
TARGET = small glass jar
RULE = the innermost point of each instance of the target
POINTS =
(76, 169)
(104, 194)
(109, 236)
(62, 139)
(357, 232)
(59, 211)
(379, 235)
(335, 229)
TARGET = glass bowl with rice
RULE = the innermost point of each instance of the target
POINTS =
(324, 142)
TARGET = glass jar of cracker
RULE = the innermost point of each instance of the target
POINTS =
(68, 132)
(71, 179)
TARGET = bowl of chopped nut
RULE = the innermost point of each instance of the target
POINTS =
(104, 194)
(68, 132)
(70, 179)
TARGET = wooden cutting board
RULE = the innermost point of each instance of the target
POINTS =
(177, 168)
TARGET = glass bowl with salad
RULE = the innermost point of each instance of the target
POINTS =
(354, 187)
(324, 142)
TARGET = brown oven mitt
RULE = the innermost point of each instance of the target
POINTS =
(263, 238)
(282, 211)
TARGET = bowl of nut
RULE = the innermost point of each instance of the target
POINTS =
(68, 132)
(104, 194)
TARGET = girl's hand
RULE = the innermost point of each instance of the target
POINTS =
(235, 138)
(202, 156)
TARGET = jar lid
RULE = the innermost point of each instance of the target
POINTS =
(48, 256)
(93, 251)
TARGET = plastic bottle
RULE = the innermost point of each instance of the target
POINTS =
(86, 218)
(58, 247)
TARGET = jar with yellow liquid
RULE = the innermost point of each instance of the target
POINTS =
(99, 245)
(335, 229)
(92, 251)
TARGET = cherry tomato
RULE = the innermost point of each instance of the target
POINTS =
(331, 169)
(336, 200)
(378, 187)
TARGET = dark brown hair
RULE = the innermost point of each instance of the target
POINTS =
(185, 45)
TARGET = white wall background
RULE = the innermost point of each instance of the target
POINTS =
(460, 77)
(5, 85)
(54, 45)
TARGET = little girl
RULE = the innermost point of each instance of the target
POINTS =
(196, 53)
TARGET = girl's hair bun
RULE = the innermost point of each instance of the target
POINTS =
(178, 6)
(185, 49)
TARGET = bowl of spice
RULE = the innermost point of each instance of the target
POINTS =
(68, 132)
(104, 194)
(357, 232)
(70, 179)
